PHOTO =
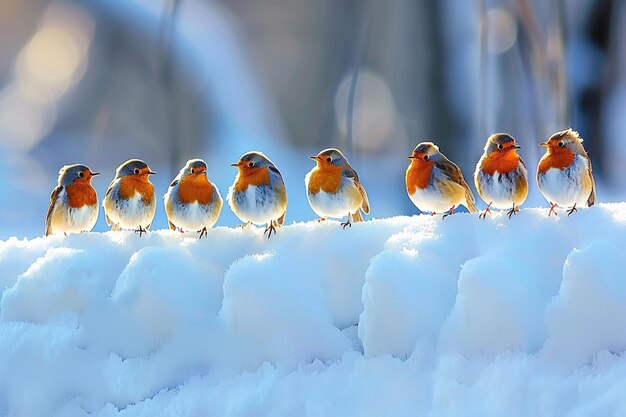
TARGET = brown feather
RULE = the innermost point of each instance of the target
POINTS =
(53, 198)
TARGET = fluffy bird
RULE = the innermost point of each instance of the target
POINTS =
(564, 173)
(333, 188)
(130, 202)
(500, 177)
(192, 202)
(258, 194)
(436, 184)
(73, 202)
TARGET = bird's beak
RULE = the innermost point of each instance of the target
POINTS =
(236, 164)
(410, 157)
(151, 172)
(543, 144)
(93, 174)
(517, 147)
(315, 158)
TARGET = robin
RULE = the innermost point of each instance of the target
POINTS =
(500, 177)
(436, 184)
(129, 202)
(564, 173)
(258, 194)
(333, 188)
(192, 202)
(74, 202)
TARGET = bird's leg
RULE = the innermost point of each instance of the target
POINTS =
(241, 226)
(269, 229)
(203, 232)
(347, 223)
(483, 215)
(321, 219)
(570, 211)
(434, 213)
(552, 210)
(513, 211)
(449, 213)
(141, 231)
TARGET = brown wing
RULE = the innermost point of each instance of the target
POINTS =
(592, 197)
(351, 173)
(53, 200)
(454, 173)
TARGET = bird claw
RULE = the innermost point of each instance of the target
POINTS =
(347, 223)
(203, 232)
(269, 229)
(321, 219)
(513, 211)
(483, 215)
(553, 210)
(141, 231)
(449, 213)
(570, 211)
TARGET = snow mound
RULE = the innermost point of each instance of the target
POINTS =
(393, 317)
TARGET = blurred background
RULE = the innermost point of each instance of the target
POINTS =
(101, 81)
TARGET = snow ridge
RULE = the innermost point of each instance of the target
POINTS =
(394, 317)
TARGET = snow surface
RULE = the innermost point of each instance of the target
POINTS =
(403, 316)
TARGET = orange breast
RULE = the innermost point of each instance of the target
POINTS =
(418, 175)
(556, 159)
(81, 193)
(500, 161)
(192, 188)
(131, 184)
(326, 178)
(251, 176)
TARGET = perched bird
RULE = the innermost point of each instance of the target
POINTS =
(258, 194)
(192, 202)
(436, 184)
(500, 177)
(333, 188)
(564, 173)
(74, 202)
(129, 202)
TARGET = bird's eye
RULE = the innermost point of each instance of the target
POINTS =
(136, 171)
(192, 170)
(250, 164)
(328, 159)
(80, 174)
(500, 146)
(560, 144)
(426, 157)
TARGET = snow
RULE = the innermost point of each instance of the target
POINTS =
(401, 316)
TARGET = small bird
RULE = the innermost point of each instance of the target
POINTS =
(129, 202)
(333, 188)
(436, 184)
(258, 194)
(500, 177)
(564, 173)
(74, 201)
(192, 202)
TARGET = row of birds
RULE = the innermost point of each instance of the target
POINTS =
(258, 194)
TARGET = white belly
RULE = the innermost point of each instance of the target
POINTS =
(336, 205)
(132, 213)
(194, 216)
(500, 189)
(564, 187)
(257, 204)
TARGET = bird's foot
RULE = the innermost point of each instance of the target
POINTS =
(346, 224)
(449, 213)
(202, 232)
(241, 226)
(570, 211)
(141, 231)
(270, 229)
(553, 210)
(321, 219)
(483, 215)
(513, 211)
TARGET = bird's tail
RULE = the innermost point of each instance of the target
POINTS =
(357, 217)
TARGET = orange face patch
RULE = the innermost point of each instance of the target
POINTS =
(559, 157)
(501, 160)
(136, 183)
(195, 187)
(81, 193)
(326, 177)
(418, 173)
(251, 176)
